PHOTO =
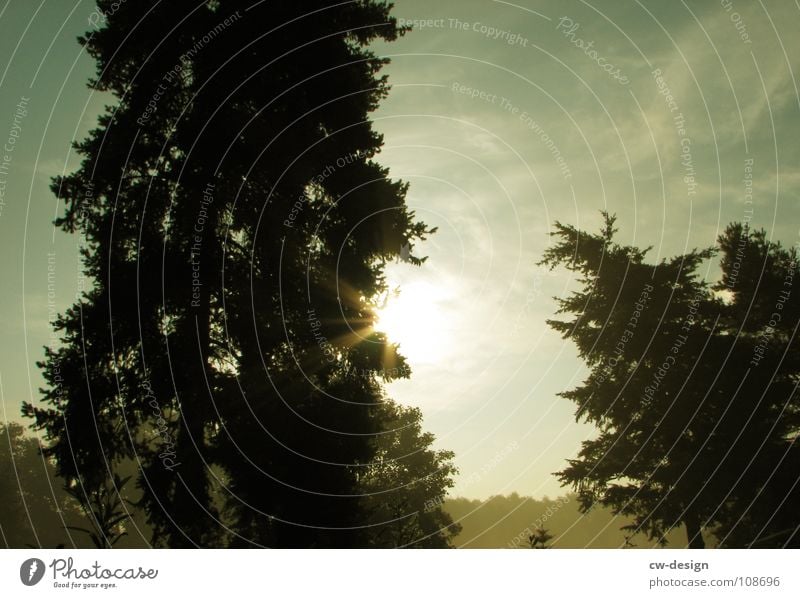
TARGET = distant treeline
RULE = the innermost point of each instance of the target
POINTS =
(508, 522)
(43, 514)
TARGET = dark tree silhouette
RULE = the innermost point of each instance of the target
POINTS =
(236, 226)
(405, 485)
(540, 538)
(105, 510)
(763, 279)
(690, 431)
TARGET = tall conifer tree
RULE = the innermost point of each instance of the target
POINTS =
(236, 223)
(691, 385)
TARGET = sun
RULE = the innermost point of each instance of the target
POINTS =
(418, 318)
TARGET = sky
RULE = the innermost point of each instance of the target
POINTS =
(679, 117)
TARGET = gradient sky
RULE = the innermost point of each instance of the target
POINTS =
(484, 170)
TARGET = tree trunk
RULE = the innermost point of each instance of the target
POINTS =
(693, 532)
